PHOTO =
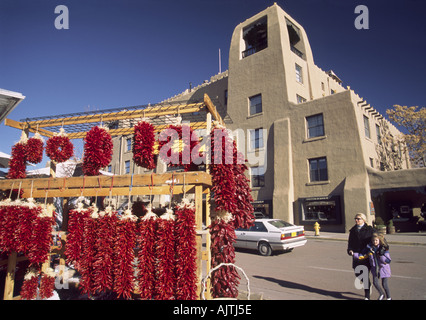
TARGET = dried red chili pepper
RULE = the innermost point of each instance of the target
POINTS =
(143, 145)
(74, 244)
(47, 284)
(104, 256)
(59, 147)
(35, 149)
(125, 242)
(42, 236)
(98, 149)
(186, 252)
(30, 285)
(147, 256)
(17, 162)
(165, 286)
(185, 135)
(88, 253)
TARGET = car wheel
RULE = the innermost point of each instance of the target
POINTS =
(264, 249)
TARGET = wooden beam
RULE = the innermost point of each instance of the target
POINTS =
(154, 111)
(24, 126)
(212, 109)
(130, 131)
(101, 185)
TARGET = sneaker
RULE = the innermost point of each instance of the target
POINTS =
(389, 299)
(381, 297)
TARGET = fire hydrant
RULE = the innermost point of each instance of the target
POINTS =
(317, 228)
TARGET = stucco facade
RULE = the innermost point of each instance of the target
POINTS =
(309, 140)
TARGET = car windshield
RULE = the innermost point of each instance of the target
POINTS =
(280, 223)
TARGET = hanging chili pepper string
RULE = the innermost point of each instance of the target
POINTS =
(186, 278)
(125, 242)
(27, 214)
(47, 284)
(89, 250)
(143, 145)
(226, 196)
(165, 254)
(98, 148)
(30, 284)
(18, 159)
(74, 244)
(35, 149)
(59, 147)
(104, 258)
(225, 280)
(42, 235)
(147, 269)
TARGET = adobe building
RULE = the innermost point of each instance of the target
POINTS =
(311, 143)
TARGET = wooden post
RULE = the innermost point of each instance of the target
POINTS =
(208, 254)
(10, 276)
(199, 241)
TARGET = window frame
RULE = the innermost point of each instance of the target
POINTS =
(127, 166)
(317, 174)
(254, 107)
(314, 127)
(299, 73)
(367, 131)
(128, 144)
(257, 180)
(256, 139)
(300, 99)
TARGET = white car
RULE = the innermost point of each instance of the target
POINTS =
(268, 235)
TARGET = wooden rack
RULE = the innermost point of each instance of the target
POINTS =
(196, 183)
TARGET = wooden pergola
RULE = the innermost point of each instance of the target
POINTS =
(197, 183)
(77, 126)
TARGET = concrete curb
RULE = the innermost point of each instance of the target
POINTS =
(344, 237)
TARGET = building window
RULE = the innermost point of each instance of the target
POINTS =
(323, 209)
(322, 86)
(226, 97)
(300, 99)
(257, 176)
(299, 76)
(367, 127)
(110, 168)
(255, 103)
(318, 169)
(255, 37)
(378, 135)
(127, 166)
(296, 45)
(129, 144)
(315, 126)
(256, 139)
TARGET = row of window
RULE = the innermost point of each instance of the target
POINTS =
(367, 130)
(318, 172)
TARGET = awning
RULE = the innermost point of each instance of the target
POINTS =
(321, 203)
(4, 160)
(8, 101)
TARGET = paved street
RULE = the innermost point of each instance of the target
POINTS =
(322, 270)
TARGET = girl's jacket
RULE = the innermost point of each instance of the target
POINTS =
(379, 259)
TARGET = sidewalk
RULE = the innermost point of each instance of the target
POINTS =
(404, 238)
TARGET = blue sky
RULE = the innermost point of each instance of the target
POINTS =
(119, 53)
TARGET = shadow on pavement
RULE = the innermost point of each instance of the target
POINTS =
(323, 292)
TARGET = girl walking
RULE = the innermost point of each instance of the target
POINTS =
(379, 261)
(379, 258)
